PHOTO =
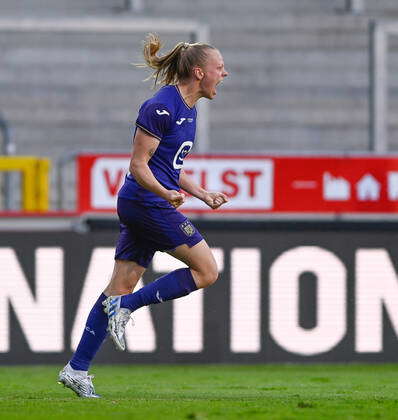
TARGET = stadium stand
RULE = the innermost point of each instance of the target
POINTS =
(60, 7)
(298, 76)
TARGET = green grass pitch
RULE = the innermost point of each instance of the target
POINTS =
(206, 392)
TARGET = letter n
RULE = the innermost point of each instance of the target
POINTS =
(40, 313)
(376, 288)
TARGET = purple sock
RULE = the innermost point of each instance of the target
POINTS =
(170, 286)
(93, 335)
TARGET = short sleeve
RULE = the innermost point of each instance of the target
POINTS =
(155, 119)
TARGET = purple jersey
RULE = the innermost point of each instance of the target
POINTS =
(168, 118)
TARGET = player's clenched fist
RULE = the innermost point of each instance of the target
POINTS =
(215, 199)
(175, 198)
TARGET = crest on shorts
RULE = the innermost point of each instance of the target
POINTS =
(187, 227)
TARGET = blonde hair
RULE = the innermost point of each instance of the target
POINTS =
(177, 64)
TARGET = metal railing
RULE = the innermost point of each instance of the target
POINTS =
(7, 148)
(379, 33)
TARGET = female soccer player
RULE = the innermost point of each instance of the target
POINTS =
(147, 203)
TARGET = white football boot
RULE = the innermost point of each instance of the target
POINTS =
(78, 381)
(117, 320)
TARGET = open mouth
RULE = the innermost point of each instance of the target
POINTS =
(215, 87)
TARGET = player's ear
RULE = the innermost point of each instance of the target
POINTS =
(198, 73)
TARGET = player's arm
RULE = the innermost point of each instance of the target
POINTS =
(144, 146)
(190, 186)
(212, 199)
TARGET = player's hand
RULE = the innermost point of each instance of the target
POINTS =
(215, 199)
(175, 198)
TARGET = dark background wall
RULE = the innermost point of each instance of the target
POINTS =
(333, 255)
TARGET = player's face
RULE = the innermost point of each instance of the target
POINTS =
(214, 73)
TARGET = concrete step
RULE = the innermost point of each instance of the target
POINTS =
(268, 138)
(178, 6)
(290, 139)
(382, 7)
(106, 113)
(298, 140)
(55, 140)
(234, 6)
(77, 67)
(336, 117)
(31, 95)
(287, 33)
(284, 78)
(292, 42)
(285, 22)
(82, 49)
(315, 59)
(257, 23)
(81, 61)
(130, 42)
(324, 97)
(250, 79)
(97, 138)
(68, 77)
(63, 6)
(295, 42)
(228, 96)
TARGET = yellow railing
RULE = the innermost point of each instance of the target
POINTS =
(35, 180)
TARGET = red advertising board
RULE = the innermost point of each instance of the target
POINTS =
(261, 184)
(346, 184)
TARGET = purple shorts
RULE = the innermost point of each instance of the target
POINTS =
(147, 229)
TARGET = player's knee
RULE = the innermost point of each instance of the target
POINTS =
(209, 276)
(123, 290)
(117, 290)
(121, 285)
(212, 278)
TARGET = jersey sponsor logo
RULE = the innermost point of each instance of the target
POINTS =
(162, 112)
(180, 121)
(188, 228)
(183, 151)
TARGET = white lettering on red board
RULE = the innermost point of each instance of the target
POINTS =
(248, 182)
(107, 176)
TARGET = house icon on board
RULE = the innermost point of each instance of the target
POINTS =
(392, 185)
(368, 188)
(335, 188)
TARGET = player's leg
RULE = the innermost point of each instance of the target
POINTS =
(201, 272)
(164, 229)
(124, 278)
(200, 262)
(169, 230)
(74, 375)
(126, 273)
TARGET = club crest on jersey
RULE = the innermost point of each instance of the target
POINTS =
(188, 228)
